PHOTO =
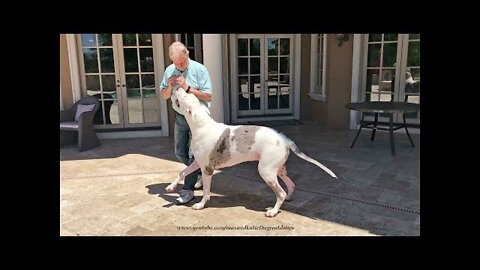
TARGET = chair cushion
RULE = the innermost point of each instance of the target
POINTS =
(81, 108)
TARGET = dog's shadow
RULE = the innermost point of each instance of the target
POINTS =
(221, 197)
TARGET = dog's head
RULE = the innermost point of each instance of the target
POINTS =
(189, 103)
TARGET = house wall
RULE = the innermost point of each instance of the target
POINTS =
(339, 80)
(331, 112)
(65, 79)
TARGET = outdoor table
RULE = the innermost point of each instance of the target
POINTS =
(387, 107)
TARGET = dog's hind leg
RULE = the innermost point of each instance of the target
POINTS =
(193, 167)
(269, 174)
(207, 180)
(282, 173)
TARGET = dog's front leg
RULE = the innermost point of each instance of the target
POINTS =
(207, 180)
(193, 167)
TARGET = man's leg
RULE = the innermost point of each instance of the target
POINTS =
(191, 179)
(182, 142)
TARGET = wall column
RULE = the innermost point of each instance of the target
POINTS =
(212, 59)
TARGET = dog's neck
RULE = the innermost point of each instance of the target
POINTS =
(202, 117)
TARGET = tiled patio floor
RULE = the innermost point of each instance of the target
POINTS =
(117, 189)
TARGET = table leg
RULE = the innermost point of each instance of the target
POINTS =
(358, 132)
(392, 143)
(374, 127)
(408, 134)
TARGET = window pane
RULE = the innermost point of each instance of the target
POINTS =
(413, 53)
(243, 102)
(108, 83)
(390, 37)
(387, 80)
(254, 65)
(372, 80)
(254, 47)
(89, 40)
(243, 66)
(190, 40)
(129, 40)
(133, 82)
(272, 65)
(146, 60)
(242, 47)
(373, 55)
(148, 81)
(374, 37)
(389, 54)
(272, 100)
(151, 108)
(412, 80)
(272, 44)
(254, 83)
(90, 60)
(284, 102)
(106, 60)
(284, 65)
(285, 46)
(104, 39)
(243, 84)
(93, 82)
(131, 64)
(255, 96)
(414, 36)
(145, 39)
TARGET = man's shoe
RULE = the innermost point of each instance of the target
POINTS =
(199, 182)
(185, 196)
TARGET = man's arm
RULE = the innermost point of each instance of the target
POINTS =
(207, 97)
(167, 92)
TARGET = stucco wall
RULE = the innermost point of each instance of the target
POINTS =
(66, 84)
(339, 81)
(332, 111)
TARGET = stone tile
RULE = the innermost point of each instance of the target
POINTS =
(118, 189)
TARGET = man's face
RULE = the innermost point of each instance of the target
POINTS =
(181, 63)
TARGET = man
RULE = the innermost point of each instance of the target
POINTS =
(194, 78)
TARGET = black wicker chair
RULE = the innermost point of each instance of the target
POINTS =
(81, 130)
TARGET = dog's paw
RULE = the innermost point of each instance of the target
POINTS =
(198, 206)
(271, 213)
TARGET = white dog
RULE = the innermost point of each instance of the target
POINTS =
(216, 145)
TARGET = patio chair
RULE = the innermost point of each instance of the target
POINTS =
(76, 124)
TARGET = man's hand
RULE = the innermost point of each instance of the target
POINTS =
(172, 80)
(181, 82)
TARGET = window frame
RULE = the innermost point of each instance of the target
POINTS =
(318, 91)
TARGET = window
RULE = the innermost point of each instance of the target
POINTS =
(194, 44)
(317, 66)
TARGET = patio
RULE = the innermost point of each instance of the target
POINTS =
(117, 188)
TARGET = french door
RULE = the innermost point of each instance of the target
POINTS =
(120, 70)
(262, 75)
(387, 57)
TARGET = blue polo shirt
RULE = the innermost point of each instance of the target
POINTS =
(196, 76)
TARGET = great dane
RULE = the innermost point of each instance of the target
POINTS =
(216, 145)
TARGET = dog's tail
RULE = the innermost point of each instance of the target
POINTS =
(302, 155)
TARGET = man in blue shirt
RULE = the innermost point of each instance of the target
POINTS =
(194, 78)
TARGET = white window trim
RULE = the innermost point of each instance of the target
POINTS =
(356, 73)
(74, 68)
(317, 92)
